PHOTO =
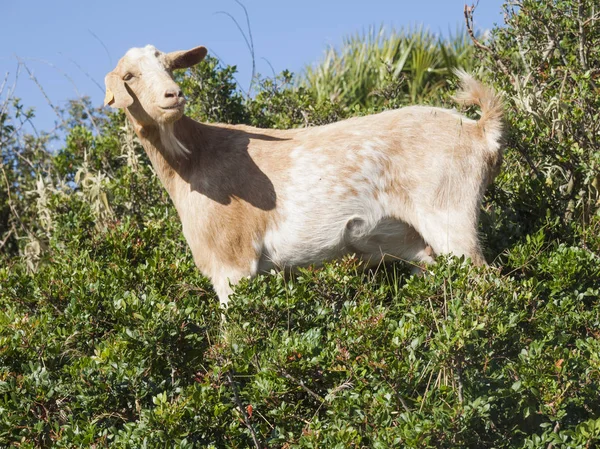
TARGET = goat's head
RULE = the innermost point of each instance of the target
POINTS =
(143, 83)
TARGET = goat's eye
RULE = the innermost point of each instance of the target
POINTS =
(127, 77)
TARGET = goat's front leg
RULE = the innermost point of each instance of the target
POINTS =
(226, 279)
(223, 289)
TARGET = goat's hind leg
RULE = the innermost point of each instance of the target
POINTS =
(394, 240)
(452, 233)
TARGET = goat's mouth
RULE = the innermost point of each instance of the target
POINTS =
(175, 107)
(178, 106)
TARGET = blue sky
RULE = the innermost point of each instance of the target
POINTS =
(70, 45)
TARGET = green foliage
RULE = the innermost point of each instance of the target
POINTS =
(546, 62)
(97, 333)
(278, 105)
(333, 358)
(109, 336)
(411, 64)
(214, 94)
(22, 157)
(456, 359)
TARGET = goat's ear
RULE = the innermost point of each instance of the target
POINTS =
(185, 58)
(116, 93)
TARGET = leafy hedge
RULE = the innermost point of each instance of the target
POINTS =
(109, 336)
(111, 348)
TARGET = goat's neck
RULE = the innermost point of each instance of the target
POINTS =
(168, 167)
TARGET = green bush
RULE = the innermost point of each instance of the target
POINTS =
(109, 336)
(412, 66)
(546, 62)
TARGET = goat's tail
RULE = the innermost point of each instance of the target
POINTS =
(473, 92)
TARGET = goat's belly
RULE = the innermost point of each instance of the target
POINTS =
(316, 240)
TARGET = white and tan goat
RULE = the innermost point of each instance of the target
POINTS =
(392, 185)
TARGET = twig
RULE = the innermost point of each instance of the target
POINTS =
(10, 93)
(15, 131)
(523, 153)
(264, 419)
(248, 39)
(582, 36)
(85, 73)
(590, 252)
(8, 234)
(403, 402)
(591, 19)
(426, 391)
(24, 159)
(549, 48)
(556, 36)
(251, 44)
(554, 430)
(4, 83)
(11, 205)
(285, 374)
(560, 96)
(343, 386)
(271, 66)
(468, 12)
(460, 383)
(34, 79)
(242, 410)
(522, 53)
(97, 418)
(528, 261)
(104, 46)
(398, 395)
(237, 24)
(223, 63)
(63, 73)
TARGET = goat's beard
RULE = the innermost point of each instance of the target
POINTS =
(171, 142)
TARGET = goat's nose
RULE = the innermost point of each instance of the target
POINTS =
(173, 93)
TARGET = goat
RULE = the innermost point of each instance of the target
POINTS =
(403, 184)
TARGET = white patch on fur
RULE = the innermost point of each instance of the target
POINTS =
(170, 141)
(325, 217)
